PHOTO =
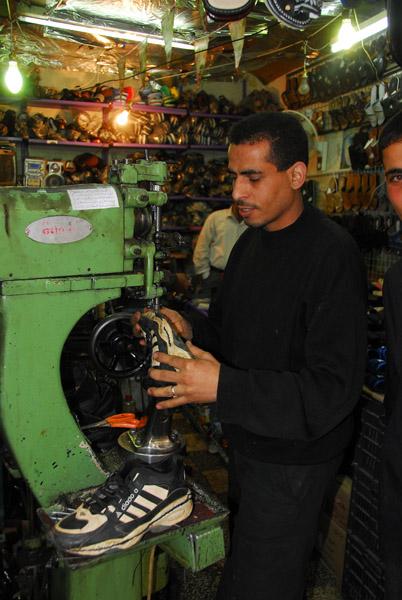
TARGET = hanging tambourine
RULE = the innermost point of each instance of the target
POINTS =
(228, 10)
(293, 13)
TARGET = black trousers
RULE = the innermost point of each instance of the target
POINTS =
(390, 505)
(274, 521)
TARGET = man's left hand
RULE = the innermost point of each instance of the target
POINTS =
(193, 380)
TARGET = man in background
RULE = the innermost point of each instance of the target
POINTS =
(390, 517)
(219, 234)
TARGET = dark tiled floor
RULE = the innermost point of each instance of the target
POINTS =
(210, 471)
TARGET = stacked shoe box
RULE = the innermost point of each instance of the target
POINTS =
(363, 577)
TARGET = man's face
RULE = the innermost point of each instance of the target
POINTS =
(392, 161)
(265, 196)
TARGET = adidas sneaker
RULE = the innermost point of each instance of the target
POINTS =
(161, 337)
(134, 500)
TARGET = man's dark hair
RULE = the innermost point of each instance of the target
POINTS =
(284, 132)
(391, 133)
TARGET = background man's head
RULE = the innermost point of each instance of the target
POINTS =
(283, 131)
(390, 146)
(391, 133)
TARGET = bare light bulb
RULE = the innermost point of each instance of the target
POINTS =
(122, 117)
(346, 35)
(304, 87)
(13, 77)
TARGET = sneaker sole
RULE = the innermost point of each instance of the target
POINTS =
(176, 512)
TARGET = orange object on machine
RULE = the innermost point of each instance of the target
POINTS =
(123, 420)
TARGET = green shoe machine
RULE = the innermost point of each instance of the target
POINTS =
(66, 251)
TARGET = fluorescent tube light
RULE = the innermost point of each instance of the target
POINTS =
(134, 36)
(368, 29)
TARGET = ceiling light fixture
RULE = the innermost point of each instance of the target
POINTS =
(13, 77)
(367, 29)
(134, 36)
(346, 34)
(304, 87)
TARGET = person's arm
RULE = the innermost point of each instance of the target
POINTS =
(302, 404)
(202, 249)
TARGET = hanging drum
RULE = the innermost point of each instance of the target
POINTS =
(228, 10)
(295, 14)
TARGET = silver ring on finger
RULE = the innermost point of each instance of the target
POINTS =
(172, 391)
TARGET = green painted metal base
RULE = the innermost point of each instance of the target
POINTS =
(196, 543)
(121, 577)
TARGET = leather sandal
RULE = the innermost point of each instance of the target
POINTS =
(369, 108)
(363, 195)
(342, 189)
(377, 106)
(357, 191)
(348, 195)
(373, 198)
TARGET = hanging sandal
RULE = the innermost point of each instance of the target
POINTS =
(373, 198)
(357, 192)
(347, 196)
(377, 106)
(329, 194)
(342, 187)
(363, 196)
(369, 108)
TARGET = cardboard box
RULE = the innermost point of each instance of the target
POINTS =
(337, 501)
(331, 542)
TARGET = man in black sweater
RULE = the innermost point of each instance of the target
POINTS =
(283, 358)
(390, 514)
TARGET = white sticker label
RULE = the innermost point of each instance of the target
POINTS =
(60, 229)
(92, 198)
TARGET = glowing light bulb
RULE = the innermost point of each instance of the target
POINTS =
(346, 35)
(13, 77)
(122, 117)
(304, 87)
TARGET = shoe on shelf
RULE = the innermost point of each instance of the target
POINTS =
(133, 501)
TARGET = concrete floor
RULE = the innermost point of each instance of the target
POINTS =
(209, 470)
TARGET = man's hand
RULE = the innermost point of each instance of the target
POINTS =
(179, 323)
(194, 380)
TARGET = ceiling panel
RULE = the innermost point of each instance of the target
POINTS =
(270, 49)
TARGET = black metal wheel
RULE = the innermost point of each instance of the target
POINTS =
(114, 349)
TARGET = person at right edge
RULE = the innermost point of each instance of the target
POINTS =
(390, 478)
(281, 355)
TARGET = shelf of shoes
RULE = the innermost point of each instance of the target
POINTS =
(68, 122)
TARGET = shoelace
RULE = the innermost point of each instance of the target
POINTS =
(106, 494)
(313, 6)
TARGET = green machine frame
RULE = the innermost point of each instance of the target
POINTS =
(65, 251)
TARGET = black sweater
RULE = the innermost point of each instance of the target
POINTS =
(289, 327)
